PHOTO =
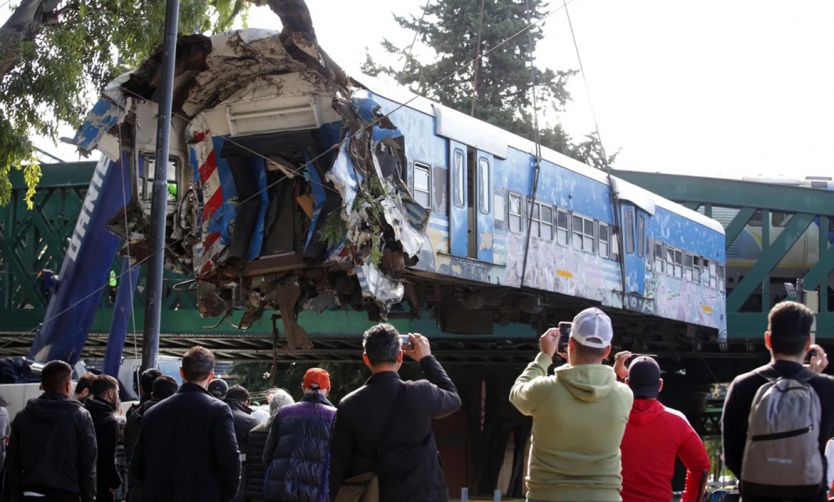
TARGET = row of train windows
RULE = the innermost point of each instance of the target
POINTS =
(675, 262)
(582, 233)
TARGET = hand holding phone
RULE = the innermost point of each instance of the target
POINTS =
(406, 342)
(564, 337)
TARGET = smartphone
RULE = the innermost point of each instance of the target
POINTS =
(406, 342)
(564, 336)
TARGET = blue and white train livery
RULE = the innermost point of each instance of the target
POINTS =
(295, 187)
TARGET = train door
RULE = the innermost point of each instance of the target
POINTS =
(484, 223)
(634, 221)
(458, 204)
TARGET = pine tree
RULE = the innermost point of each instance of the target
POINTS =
(502, 89)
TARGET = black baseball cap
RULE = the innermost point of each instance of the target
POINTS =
(644, 377)
(218, 388)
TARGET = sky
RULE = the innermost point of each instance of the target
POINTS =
(713, 87)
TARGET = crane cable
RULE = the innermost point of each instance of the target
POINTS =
(612, 185)
(477, 59)
(537, 141)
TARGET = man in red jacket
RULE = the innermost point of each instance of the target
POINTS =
(653, 437)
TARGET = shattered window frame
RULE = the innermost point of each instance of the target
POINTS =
(458, 160)
(146, 181)
(419, 192)
(562, 231)
(483, 185)
(514, 216)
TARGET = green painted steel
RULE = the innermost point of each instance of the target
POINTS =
(802, 203)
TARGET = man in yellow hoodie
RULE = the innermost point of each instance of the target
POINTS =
(579, 416)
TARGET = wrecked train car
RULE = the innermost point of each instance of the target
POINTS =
(294, 187)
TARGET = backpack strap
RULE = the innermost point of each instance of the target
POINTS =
(771, 374)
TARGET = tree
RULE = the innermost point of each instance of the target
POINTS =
(55, 55)
(500, 83)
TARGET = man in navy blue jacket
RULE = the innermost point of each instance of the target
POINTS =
(186, 448)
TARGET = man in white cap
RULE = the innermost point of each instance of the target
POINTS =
(579, 415)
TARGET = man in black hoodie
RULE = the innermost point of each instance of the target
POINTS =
(105, 400)
(163, 387)
(52, 447)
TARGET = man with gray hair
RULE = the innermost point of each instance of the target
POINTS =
(297, 451)
(385, 425)
(579, 415)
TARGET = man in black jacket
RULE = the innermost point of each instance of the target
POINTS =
(187, 448)
(163, 387)
(394, 416)
(788, 339)
(146, 380)
(52, 447)
(237, 397)
(102, 404)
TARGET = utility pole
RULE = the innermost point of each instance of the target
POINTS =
(159, 201)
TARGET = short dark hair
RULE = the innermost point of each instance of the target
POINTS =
(85, 381)
(197, 364)
(55, 375)
(382, 343)
(147, 379)
(164, 386)
(789, 324)
(102, 384)
(589, 352)
(238, 393)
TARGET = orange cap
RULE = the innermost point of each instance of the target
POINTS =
(316, 377)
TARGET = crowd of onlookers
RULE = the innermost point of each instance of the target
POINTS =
(599, 432)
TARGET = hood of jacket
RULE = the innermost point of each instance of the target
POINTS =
(98, 408)
(587, 382)
(644, 411)
(51, 407)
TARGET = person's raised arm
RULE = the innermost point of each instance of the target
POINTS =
(444, 398)
(528, 390)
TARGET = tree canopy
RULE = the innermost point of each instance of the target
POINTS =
(501, 81)
(55, 55)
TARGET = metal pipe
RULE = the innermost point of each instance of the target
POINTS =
(159, 202)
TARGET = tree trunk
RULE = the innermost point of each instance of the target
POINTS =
(23, 25)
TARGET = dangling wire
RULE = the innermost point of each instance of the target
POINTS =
(612, 185)
(413, 40)
(537, 141)
(477, 59)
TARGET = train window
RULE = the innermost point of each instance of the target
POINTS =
(779, 219)
(705, 265)
(670, 260)
(483, 185)
(641, 235)
(696, 269)
(146, 185)
(604, 245)
(687, 267)
(541, 221)
(678, 264)
(721, 277)
(629, 232)
(659, 262)
(756, 219)
(713, 275)
(562, 229)
(515, 212)
(460, 178)
(422, 182)
(576, 226)
(588, 237)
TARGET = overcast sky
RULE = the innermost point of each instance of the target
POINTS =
(706, 87)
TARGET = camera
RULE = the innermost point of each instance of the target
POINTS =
(406, 342)
(564, 336)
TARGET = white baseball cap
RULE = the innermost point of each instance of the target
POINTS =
(592, 328)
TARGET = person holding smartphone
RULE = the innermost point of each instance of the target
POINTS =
(579, 414)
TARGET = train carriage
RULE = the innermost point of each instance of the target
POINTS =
(293, 187)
